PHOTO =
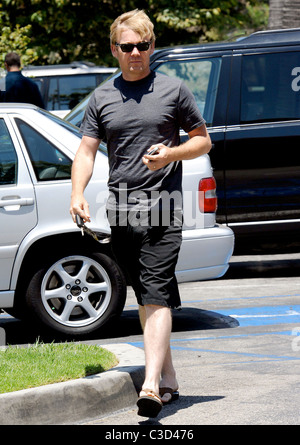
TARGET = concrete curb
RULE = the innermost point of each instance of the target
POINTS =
(78, 400)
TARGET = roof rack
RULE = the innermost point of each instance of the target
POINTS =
(82, 63)
(75, 64)
(274, 35)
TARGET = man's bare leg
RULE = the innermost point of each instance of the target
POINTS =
(156, 322)
(168, 376)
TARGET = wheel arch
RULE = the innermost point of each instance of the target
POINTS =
(51, 245)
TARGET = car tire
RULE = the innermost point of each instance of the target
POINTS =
(76, 294)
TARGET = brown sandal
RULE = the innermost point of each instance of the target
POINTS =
(149, 404)
(166, 390)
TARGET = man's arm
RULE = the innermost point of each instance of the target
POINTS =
(82, 170)
(199, 143)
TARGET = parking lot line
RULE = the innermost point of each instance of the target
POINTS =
(245, 354)
(264, 315)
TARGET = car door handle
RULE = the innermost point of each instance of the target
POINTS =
(10, 202)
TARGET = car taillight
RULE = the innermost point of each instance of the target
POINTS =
(207, 195)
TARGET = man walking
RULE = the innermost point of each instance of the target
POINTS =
(137, 112)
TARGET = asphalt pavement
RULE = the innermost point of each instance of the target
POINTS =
(235, 345)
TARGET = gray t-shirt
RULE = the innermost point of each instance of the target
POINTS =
(132, 116)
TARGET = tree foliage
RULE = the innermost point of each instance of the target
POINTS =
(61, 31)
(190, 21)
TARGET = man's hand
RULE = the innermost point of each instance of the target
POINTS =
(199, 143)
(79, 206)
(159, 159)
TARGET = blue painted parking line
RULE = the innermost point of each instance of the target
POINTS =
(249, 316)
(264, 315)
(261, 357)
(244, 354)
(293, 332)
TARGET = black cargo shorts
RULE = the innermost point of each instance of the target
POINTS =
(148, 254)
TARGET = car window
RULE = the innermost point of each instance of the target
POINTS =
(67, 91)
(8, 157)
(48, 162)
(39, 83)
(76, 116)
(202, 78)
(266, 97)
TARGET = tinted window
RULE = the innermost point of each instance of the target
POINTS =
(40, 84)
(66, 91)
(202, 78)
(76, 116)
(8, 157)
(48, 162)
(270, 87)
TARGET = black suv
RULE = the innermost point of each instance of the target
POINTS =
(249, 94)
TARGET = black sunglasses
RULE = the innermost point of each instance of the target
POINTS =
(128, 47)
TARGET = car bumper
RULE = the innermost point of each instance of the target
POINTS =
(205, 253)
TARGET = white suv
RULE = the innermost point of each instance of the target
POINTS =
(64, 86)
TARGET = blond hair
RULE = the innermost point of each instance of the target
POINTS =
(136, 20)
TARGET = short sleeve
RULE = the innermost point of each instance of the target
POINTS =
(91, 125)
(189, 114)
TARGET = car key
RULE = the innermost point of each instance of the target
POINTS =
(84, 229)
(80, 223)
